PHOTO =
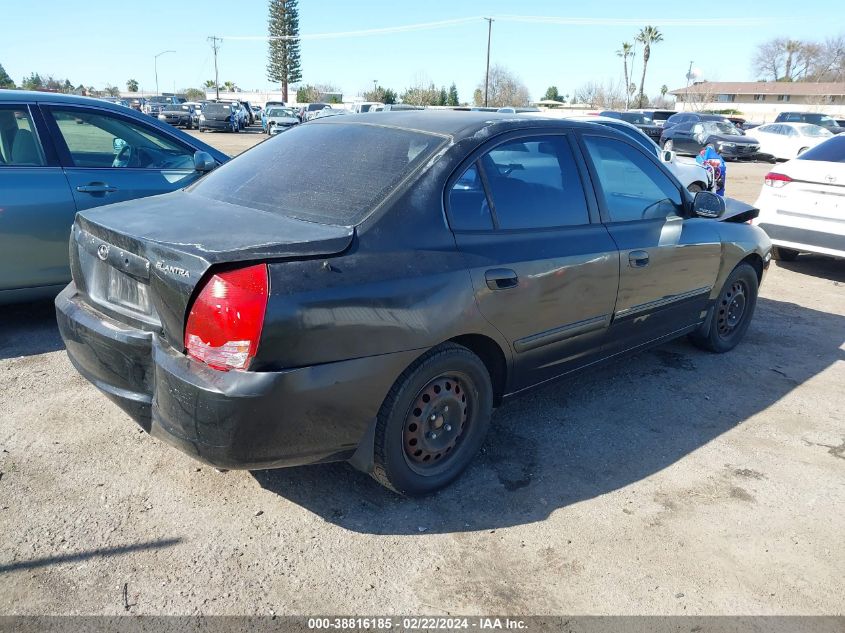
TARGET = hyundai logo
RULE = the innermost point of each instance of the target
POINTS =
(830, 178)
(103, 251)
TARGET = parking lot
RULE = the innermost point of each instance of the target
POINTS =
(672, 482)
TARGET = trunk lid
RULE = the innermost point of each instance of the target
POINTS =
(140, 261)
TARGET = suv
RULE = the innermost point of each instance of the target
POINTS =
(658, 116)
(638, 119)
(823, 120)
(220, 115)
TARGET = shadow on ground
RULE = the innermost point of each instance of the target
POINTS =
(28, 329)
(819, 266)
(589, 435)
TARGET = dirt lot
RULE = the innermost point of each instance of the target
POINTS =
(676, 482)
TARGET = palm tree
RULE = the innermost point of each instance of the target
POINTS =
(229, 86)
(648, 36)
(625, 52)
(209, 83)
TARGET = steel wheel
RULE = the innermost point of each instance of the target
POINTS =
(732, 308)
(435, 423)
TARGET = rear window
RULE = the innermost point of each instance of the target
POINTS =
(660, 116)
(216, 108)
(321, 172)
(830, 151)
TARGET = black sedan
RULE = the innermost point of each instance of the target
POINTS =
(638, 119)
(693, 136)
(449, 260)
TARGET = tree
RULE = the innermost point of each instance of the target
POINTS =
(443, 97)
(283, 64)
(453, 100)
(610, 96)
(33, 82)
(647, 36)
(505, 89)
(625, 52)
(380, 94)
(209, 83)
(194, 94)
(5, 80)
(112, 91)
(421, 95)
(315, 93)
(552, 94)
(132, 85)
(783, 59)
(229, 86)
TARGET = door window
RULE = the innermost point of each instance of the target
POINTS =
(19, 146)
(633, 187)
(468, 207)
(95, 139)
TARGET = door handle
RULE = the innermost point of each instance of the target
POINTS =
(96, 187)
(637, 259)
(501, 278)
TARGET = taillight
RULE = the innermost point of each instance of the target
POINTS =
(776, 180)
(225, 322)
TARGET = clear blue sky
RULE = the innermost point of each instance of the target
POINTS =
(103, 41)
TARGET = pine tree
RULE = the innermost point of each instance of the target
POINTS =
(443, 97)
(283, 64)
(452, 100)
(5, 80)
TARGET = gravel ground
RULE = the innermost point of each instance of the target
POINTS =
(676, 482)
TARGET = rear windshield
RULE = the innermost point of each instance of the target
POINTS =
(327, 173)
(637, 118)
(216, 108)
(661, 116)
(830, 151)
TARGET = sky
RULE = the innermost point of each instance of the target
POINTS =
(99, 42)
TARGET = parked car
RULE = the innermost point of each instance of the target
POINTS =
(692, 137)
(367, 106)
(250, 115)
(327, 112)
(815, 118)
(398, 107)
(60, 154)
(257, 113)
(840, 122)
(801, 202)
(184, 115)
(116, 101)
(659, 117)
(691, 175)
(788, 140)
(639, 119)
(155, 105)
(278, 120)
(137, 103)
(310, 111)
(273, 317)
(220, 115)
(693, 117)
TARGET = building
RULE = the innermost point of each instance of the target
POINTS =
(763, 100)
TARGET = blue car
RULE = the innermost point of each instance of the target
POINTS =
(60, 154)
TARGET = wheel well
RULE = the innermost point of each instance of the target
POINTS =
(755, 260)
(493, 358)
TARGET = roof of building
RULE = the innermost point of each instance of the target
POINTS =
(792, 88)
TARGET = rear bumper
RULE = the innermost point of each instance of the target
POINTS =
(216, 125)
(235, 419)
(805, 239)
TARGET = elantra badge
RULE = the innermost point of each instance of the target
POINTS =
(173, 270)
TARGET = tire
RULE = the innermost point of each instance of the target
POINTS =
(668, 145)
(732, 313)
(420, 444)
(695, 188)
(784, 254)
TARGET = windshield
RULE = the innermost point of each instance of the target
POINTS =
(278, 112)
(830, 151)
(820, 119)
(721, 127)
(637, 118)
(351, 168)
(814, 130)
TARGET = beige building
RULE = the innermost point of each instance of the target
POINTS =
(763, 100)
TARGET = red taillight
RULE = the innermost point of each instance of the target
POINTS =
(225, 322)
(776, 180)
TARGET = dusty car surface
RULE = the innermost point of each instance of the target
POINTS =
(377, 307)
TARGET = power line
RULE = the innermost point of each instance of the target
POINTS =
(214, 46)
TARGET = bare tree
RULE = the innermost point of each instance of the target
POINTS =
(505, 89)
(783, 59)
(608, 96)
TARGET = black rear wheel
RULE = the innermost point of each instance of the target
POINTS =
(433, 421)
(731, 315)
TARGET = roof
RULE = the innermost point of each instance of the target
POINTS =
(455, 123)
(792, 88)
(13, 96)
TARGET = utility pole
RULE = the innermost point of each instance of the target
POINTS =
(214, 46)
(487, 74)
(689, 79)
(155, 57)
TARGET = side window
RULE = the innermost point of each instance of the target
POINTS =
(97, 139)
(19, 146)
(534, 183)
(468, 208)
(697, 129)
(633, 187)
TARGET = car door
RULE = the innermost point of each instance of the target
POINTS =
(543, 267)
(109, 157)
(36, 205)
(668, 262)
(683, 140)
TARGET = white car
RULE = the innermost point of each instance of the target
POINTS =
(277, 119)
(802, 202)
(788, 140)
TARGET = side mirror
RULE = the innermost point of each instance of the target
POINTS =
(708, 205)
(117, 145)
(203, 162)
(667, 156)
